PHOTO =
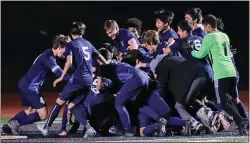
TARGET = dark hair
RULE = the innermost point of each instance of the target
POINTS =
(60, 40)
(150, 37)
(78, 28)
(134, 22)
(110, 24)
(109, 47)
(220, 24)
(165, 16)
(132, 56)
(105, 53)
(195, 13)
(185, 26)
(211, 20)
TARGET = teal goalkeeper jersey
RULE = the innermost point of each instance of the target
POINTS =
(217, 46)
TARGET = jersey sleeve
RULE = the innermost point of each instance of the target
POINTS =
(205, 47)
(53, 66)
(68, 51)
(95, 53)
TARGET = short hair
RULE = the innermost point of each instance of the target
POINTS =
(132, 56)
(108, 24)
(105, 53)
(211, 20)
(60, 40)
(165, 16)
(195, 13)
(151, 37)
(185, 26)
(78, 28)
(220, 24)
(134, 22)
(109, 47)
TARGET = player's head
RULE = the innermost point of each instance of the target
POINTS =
(134, 25)
(194, 15)
(163, 19)
(209, 23)
(184, 28)
(59, 44)
(109, 47)
(105, 53)
(77, 29)
(220, 24)
(133, 57)
(151, 39)
(111, 28)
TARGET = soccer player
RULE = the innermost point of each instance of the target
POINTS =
(126, 39)
(163, 19)
(80, 81)
(134, 25)
(194, 16)
(216, 45)
(131, 82)
(31, 83)
(169, 72)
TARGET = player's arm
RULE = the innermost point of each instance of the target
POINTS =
(172, 46)
(132, 44)
(97, 55)
(52, 65)
(66, 66)
(205, 48)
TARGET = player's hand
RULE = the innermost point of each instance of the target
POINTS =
(170, 41)
(56, 81)
(139, 65)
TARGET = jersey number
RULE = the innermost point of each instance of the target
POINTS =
(196, 45)
(224, 45)
(96, 91)
(86, 53)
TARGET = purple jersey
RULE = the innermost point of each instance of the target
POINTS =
(36, 75)
(199, 32)
(170, 34)
(124, 36)
(82, 52)
(159, 50)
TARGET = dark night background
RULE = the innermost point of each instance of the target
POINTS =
(22, 22)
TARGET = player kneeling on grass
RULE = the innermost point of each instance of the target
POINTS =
(31, 83)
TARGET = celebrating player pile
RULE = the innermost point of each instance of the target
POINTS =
(156, 84)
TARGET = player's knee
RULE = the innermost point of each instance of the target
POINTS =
(43, 114)
(70, 105)
(59, 101)
(141, 131)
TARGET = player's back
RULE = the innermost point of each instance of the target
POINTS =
(199, 32)
(219, 56)
(117, 71)
(82, 51)
(124, 36)
(34, 77)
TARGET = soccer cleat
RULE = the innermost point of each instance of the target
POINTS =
(63, 133)
(43, 130)
(197, 129)
(203, 116)
(163, 123)
(6, 130)
(114, 131)
(243, 127)
(90, 131)
(187, 129)
(224, 122)
(13, 125)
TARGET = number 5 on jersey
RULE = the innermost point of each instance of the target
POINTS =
(86, 53)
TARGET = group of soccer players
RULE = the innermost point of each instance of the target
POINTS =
(158, 83)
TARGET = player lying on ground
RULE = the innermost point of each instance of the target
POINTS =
(31, 83)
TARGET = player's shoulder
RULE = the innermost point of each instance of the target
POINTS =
(173, 34)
